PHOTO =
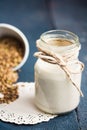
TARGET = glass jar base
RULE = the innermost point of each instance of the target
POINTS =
(54, 111)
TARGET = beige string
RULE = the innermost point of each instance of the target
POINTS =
(51, 57)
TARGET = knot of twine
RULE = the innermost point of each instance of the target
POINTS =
(51, 57)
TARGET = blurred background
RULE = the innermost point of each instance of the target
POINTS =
(33, 17)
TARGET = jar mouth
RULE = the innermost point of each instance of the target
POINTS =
(59, 34)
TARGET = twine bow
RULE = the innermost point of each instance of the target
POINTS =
(51, 57)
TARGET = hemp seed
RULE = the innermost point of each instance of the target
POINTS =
(11, 54)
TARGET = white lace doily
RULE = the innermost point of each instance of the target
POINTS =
(23, 110)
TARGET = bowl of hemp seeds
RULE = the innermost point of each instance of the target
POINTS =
(14, 51)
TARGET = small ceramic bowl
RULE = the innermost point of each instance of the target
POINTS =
(10, 30)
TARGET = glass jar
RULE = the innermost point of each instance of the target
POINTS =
(58, 72)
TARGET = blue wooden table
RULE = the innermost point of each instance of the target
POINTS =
(34, 18)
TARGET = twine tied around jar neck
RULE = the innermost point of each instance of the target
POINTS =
(51, 57)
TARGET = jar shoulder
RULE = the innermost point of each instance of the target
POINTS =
(41, 64)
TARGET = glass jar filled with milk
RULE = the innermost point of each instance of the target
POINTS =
(58, 72)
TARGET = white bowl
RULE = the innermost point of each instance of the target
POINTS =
(10, 30)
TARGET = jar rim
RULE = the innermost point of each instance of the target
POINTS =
(67, 35)
(76, 38)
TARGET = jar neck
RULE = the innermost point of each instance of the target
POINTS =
(59, 41)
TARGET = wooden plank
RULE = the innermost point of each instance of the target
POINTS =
(82, 109)
(71, 15)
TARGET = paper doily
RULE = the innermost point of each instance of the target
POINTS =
(23, 110)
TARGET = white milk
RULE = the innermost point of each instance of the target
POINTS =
(54, 92)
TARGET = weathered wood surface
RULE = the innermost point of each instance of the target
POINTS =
(35, 17)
